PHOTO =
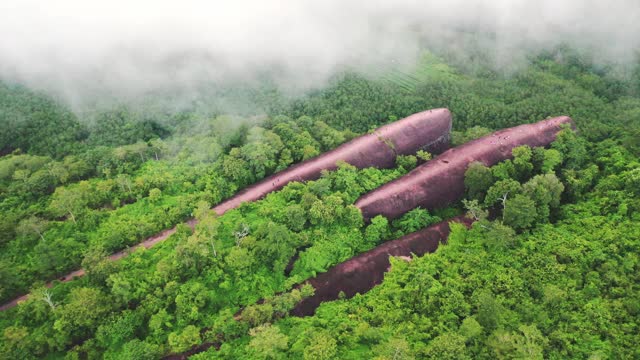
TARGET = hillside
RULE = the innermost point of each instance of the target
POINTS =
(549, 271)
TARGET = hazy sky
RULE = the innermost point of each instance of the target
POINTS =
(124, 48)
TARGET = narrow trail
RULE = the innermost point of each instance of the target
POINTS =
(427, 130)
(147, 243)
(363, 272)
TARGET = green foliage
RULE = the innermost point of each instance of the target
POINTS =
(184, 340)
(546, 160)
(562, 286)
(477, 180)
(520, 212)
(36, 124)
(522, 156)
(322, 346)
(413, 220)
(136, 349)
(472, 133)
(407, 162)
(84, 309)
(377, 230)
(500, 191)
(423, 155)
(447, 346)
(267, 342)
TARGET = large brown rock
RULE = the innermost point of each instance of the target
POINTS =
(361, 273)
(428, 130)
(440, 181)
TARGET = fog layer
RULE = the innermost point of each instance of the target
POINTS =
(80, 49)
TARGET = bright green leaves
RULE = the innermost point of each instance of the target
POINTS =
(477, 180)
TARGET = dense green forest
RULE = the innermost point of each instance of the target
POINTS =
(551, 273)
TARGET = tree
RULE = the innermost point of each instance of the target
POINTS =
(285, 160)
(158, 147)
(97, 265)
(267, 342)
(21, 175)
(498, 236)
(235, 168)
(423, 155)
(522, 156)
(475, 210)
(44, 294)
(526, 343)
(415, 220)
(532, 342)
(546, 191)
(501, 191)
(193, 297)
(448, 346)
(477, 180)
(137, 349)
(58, 171)
(504, 170)
(322, 346)
(258, 314)
(66, 201)
(183, 341)
(154, 195)
(295, 217)
(326, 211)
(119, 329)
(571, 147)
(16, 342)
(32, 225)
(489, 312)
(546, 160)
(82, 312)
(208, 224)
(407, 162)
(470, 329)
(376, 231)
(393, 349)
(519, 212)
(160, 323)
(275, 244)
(241, 232)
(9, 279)
(124, 181)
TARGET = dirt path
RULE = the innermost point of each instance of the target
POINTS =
(147, 243)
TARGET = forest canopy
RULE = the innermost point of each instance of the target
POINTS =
(548, 270)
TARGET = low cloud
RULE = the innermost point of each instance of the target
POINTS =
(81, 50)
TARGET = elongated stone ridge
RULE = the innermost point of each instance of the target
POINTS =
(363, 272)
(428, 130)
(440, 181)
